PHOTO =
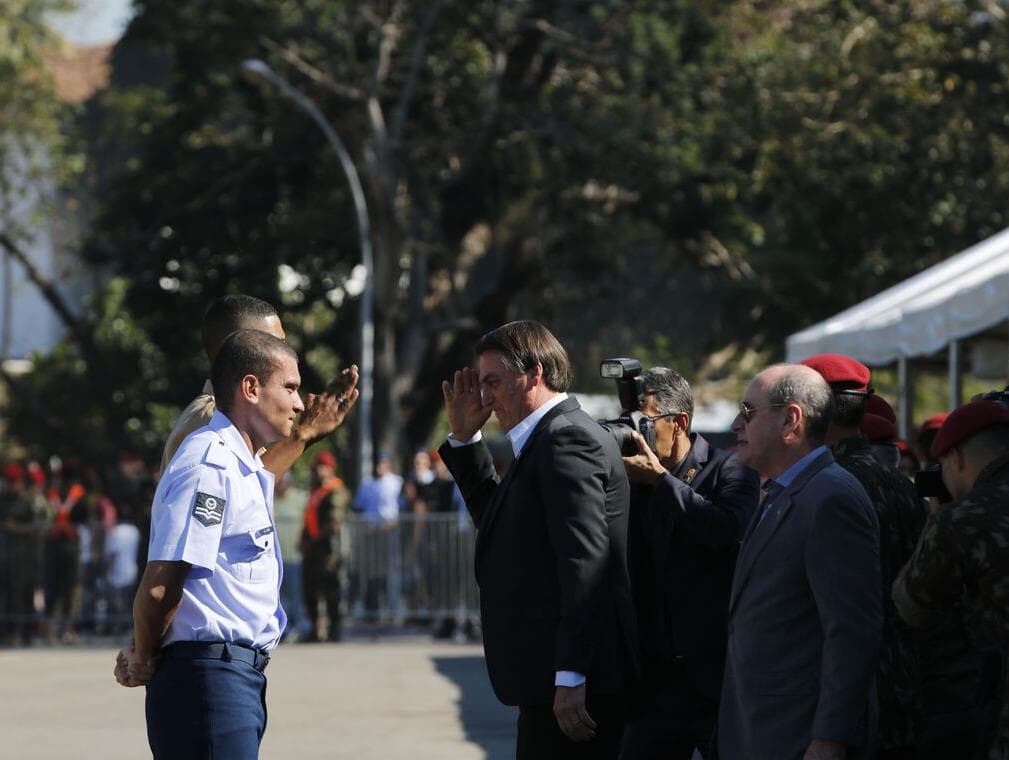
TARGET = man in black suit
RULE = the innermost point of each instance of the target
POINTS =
(690, 504)
(805, 610)
(551, 554)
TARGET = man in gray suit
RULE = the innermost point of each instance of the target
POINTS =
(805, 613)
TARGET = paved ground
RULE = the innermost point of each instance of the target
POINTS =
(381, 700)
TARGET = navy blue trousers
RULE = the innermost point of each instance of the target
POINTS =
(206, 709)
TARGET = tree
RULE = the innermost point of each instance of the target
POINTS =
(686, 179)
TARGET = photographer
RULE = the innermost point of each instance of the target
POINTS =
(962, 557)
(690, 504)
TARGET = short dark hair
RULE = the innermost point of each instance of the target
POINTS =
(230, 313)
(807, 389)
(245, 352)
(671, 391)
(524, 344)
(849, 408)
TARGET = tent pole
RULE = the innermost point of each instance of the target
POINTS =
(905, 394)
(955, 376)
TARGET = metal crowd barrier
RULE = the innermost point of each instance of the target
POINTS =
(419, 568)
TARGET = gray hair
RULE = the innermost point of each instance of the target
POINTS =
(671, 391)
(805, 388)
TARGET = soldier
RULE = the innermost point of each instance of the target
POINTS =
(963, 555)
(901, 517)
(320, 549)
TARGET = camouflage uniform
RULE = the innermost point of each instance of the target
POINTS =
(901, 518)
(964, 557)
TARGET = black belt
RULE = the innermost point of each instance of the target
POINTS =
(217, 650)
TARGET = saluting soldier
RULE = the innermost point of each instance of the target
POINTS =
(963, 555)
(901, 518)
(208, 613)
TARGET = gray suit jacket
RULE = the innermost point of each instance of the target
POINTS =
(805, 621)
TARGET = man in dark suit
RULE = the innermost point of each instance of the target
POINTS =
(690, 504)
(805, 612)
(551, 554)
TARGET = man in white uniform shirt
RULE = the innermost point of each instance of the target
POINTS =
(208, 611)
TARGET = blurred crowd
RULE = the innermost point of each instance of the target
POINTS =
(73, 543)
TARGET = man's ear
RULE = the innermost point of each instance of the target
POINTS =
(794, 420)
(536, 375)
(250, 389)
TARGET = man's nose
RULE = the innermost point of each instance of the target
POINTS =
(299, 405)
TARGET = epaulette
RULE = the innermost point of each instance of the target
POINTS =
(218, 454)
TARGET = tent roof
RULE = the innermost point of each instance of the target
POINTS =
(954, 299)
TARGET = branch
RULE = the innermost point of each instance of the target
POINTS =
(316, 75)
(49, 292)
(417, 59)
(389, 34)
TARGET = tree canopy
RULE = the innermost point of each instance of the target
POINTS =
(689, 180)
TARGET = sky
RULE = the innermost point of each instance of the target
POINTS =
(94, 21)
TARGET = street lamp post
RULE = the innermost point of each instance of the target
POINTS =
(367, 360)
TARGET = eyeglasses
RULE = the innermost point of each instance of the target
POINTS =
(662, 416)
(746, 411)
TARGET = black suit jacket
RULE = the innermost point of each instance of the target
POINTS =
(685, 536)
(551, 558)
(805, 621)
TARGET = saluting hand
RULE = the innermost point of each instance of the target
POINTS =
(464, 404)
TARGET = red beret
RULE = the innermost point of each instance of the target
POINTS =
(934, 422)
(326, 458)
(967, 420)
(878, 405)
(842, 373)
(14, 472)
(878, 429)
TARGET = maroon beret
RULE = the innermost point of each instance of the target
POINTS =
(878, 405)
(934, 422)
(967, 420)
(878, 429)
(14, 472)
(842, 373)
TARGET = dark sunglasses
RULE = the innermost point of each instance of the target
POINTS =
(746, 411)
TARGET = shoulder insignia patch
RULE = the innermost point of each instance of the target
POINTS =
(208, 509)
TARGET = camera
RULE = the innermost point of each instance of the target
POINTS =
(928, 483)
(631, 392)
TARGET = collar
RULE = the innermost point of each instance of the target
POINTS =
(785, 479)
(226, 429)
(695, 459)
(208, 388)
(519, 435)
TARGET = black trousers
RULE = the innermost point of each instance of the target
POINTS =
(674, 720)
(540, 738)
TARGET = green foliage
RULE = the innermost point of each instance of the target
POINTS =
(31, 142)
(682, 180)
(83, 412)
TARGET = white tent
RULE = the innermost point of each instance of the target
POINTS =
(963, 298)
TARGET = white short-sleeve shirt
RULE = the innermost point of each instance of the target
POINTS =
(214, 509)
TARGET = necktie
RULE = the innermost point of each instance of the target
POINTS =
(768, 493)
